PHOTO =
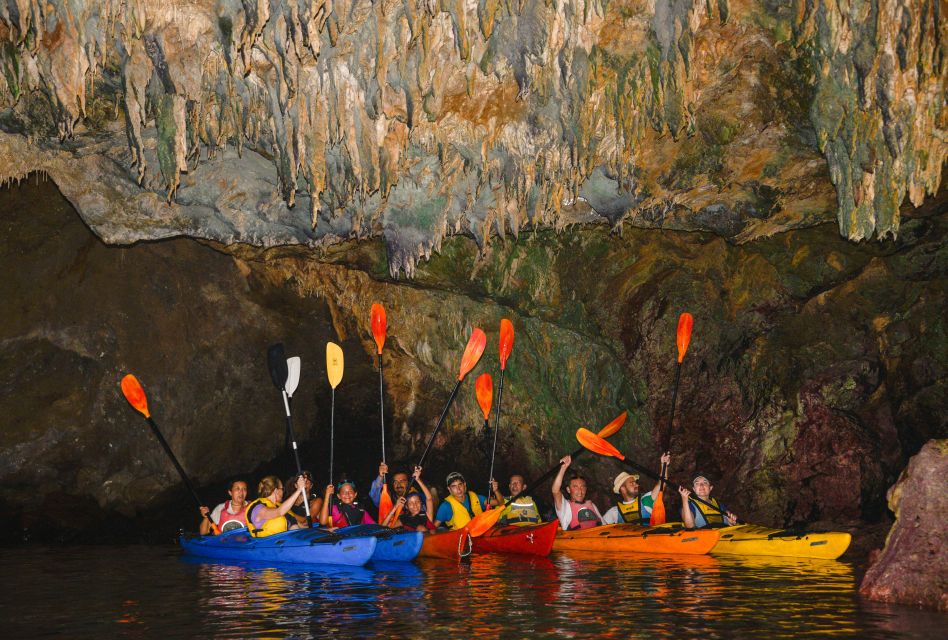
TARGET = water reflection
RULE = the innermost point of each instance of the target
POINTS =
(153, 592)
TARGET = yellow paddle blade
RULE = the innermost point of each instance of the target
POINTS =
(613, 426)
(135, 395)
(596, 444)
(472, 352)
(658, 511)
(334, 364)
(482, 522)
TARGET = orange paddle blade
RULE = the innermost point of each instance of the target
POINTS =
(378, 325)
(613, 426)
(506, 342)
(472, 353)
(658, 511)
(596, 444)
(484, 388)
(685, 323)
(482, 522)
(135, 395)
(395, 517)
(385, 503)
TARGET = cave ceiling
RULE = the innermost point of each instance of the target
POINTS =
(287, 122)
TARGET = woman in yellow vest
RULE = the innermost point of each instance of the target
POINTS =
(697, 515)
(267, 514)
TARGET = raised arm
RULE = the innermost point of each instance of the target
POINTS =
(429, 501)
(324, 519)
(558, 480)
(666, 461)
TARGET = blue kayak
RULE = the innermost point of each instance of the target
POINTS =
(394, 545)
(300, 546)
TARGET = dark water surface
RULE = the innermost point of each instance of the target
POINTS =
(154, 591)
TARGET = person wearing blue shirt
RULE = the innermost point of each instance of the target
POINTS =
(399, 486)
(462, 505)
(697, 515)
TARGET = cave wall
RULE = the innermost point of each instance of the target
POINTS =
(816, 368)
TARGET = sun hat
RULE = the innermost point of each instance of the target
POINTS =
(620, 480)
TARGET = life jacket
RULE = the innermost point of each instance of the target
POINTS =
(230, 521)
(271, 526)
(348, 514)
(584, 515)
(411, 523)
(523, 510)
(460, 514)
(706, 516)
(632, 513)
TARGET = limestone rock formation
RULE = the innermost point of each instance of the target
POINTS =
(913, 567)
(308, 122)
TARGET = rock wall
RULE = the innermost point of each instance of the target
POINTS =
(913, 568)
(287, 121)
(816, 368)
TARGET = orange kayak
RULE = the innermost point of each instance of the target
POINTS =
(446, 544)
(636, 539)
(534, 540)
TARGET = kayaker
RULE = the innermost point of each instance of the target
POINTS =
(298, 511)
(345, 511)
(697, 515)
(524, 509)
(632, 508)
(412, 516)
(577, 512)
(230, 514)
(267, 514)
(462, 505)
(399, 485)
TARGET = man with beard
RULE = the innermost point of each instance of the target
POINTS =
(399, 487)
(633, 508)
(577, 512)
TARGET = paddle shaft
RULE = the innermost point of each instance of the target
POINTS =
(177, 465)
(332, 431)
(296, 453)
(493, 453)
(382, 411)
(434, 433)
(666, 438)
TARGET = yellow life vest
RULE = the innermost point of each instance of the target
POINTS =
(271, 526)
(712, 516)
(460, 516)
(523, 510)
(635, 511)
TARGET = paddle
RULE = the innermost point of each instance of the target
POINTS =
(484, 521)
(472, 353)
(504, 347)
(135, 395)
(685, 324)
(334, 366)
(278, 365)
(596, 444)
(484, 390)
(378, 332)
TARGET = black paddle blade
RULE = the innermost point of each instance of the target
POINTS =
(276, 362)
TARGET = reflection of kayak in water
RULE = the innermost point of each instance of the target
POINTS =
(394, 545)
(446, 544)
(534, 540)
(630, 538)
(754, 540)
(308, 546)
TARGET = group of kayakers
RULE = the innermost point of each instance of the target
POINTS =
(274, 511)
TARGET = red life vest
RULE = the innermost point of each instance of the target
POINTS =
(584, 515)
(238, 520)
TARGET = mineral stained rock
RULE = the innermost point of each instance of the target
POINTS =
(279, 122)
(913, 567)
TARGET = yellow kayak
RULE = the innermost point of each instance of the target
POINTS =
(754, 540)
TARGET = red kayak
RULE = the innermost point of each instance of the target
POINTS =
(446, 544)
(534, 539)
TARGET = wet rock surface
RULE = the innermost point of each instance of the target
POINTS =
(913, 568)
(817, 366)
(311, 123)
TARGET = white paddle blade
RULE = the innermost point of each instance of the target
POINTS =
(334, 363)
(293, 379)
